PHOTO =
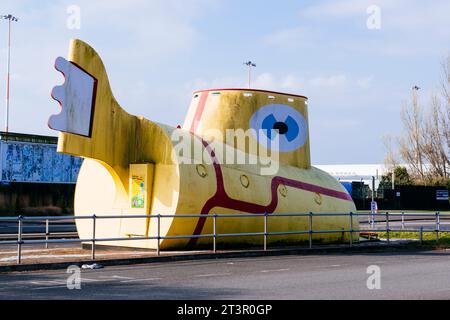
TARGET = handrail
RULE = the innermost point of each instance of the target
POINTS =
(181, 215)
(20, 220)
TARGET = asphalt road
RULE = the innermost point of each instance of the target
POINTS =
(417, 275)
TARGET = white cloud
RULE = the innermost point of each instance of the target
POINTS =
(400, 15)
(288, 83)
(408, 28)
(133, 38)
(288, 37)
(216, 83)
(365, 82)
(265, 81)
(291, 82)
(154, 29)
(330, 81)
(335, 9)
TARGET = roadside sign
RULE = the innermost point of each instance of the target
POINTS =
(374, 206)
(442, 195)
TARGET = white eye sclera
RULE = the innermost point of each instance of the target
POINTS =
(291, 126)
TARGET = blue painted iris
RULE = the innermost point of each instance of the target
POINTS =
(289, 127)
(282, 122)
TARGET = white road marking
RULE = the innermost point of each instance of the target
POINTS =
(139, 280)
(116, 277)
(59, 282)
(49, 287)
(212, 275)
(83, 279)
(276, 270)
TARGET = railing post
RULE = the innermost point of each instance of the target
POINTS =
(265, 231)
(403, 221)
(388, 229)
(438, 226)
(421, 235)
(214, 232)
(94, 227)
(47, 233)
(310, 229)
(19, 240)
(351, 229)
(158, 251)
(372, 218)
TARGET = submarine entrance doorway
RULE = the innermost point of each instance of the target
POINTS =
(140, 190)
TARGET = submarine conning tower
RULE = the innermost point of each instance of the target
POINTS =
(216, 110)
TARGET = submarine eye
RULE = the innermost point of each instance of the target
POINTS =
(290, 125)
(281, 127)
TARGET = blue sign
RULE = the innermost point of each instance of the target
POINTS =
(442, 195)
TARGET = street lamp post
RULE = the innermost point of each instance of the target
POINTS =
(250, 65)
(10, 19)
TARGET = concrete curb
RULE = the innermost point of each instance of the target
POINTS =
(219, 255)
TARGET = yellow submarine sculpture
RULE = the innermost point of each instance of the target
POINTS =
(133, 166)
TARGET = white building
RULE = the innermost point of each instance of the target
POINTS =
(356, 172)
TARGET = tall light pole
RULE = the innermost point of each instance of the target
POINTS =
(250, 65)
(10, 19)
(415, 91)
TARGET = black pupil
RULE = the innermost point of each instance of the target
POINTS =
(281, 127)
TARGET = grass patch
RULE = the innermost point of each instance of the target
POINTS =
(429, 237)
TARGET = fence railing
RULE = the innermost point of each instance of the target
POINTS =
(384, 218)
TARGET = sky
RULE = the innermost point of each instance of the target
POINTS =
(356, 65)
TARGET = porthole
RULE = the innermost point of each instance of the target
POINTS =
(283, 190)
(245, 181)
(318, 199)
(201, 170)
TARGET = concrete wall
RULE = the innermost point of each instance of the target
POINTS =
(36, 162)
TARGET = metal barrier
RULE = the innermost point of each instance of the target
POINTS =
(265, 234)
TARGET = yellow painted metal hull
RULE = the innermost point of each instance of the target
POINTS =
(179, 189)
(129, 168)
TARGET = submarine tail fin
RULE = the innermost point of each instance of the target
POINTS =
(91, 122)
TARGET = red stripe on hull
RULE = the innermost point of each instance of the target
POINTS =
(221, 199)
(199, 112)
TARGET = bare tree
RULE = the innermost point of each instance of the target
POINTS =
(411, 144)
(446, 79)
(425, 145)
(391, 159)
(445, 91)
(435, 147)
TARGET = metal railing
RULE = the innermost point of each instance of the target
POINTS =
(436, 217)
